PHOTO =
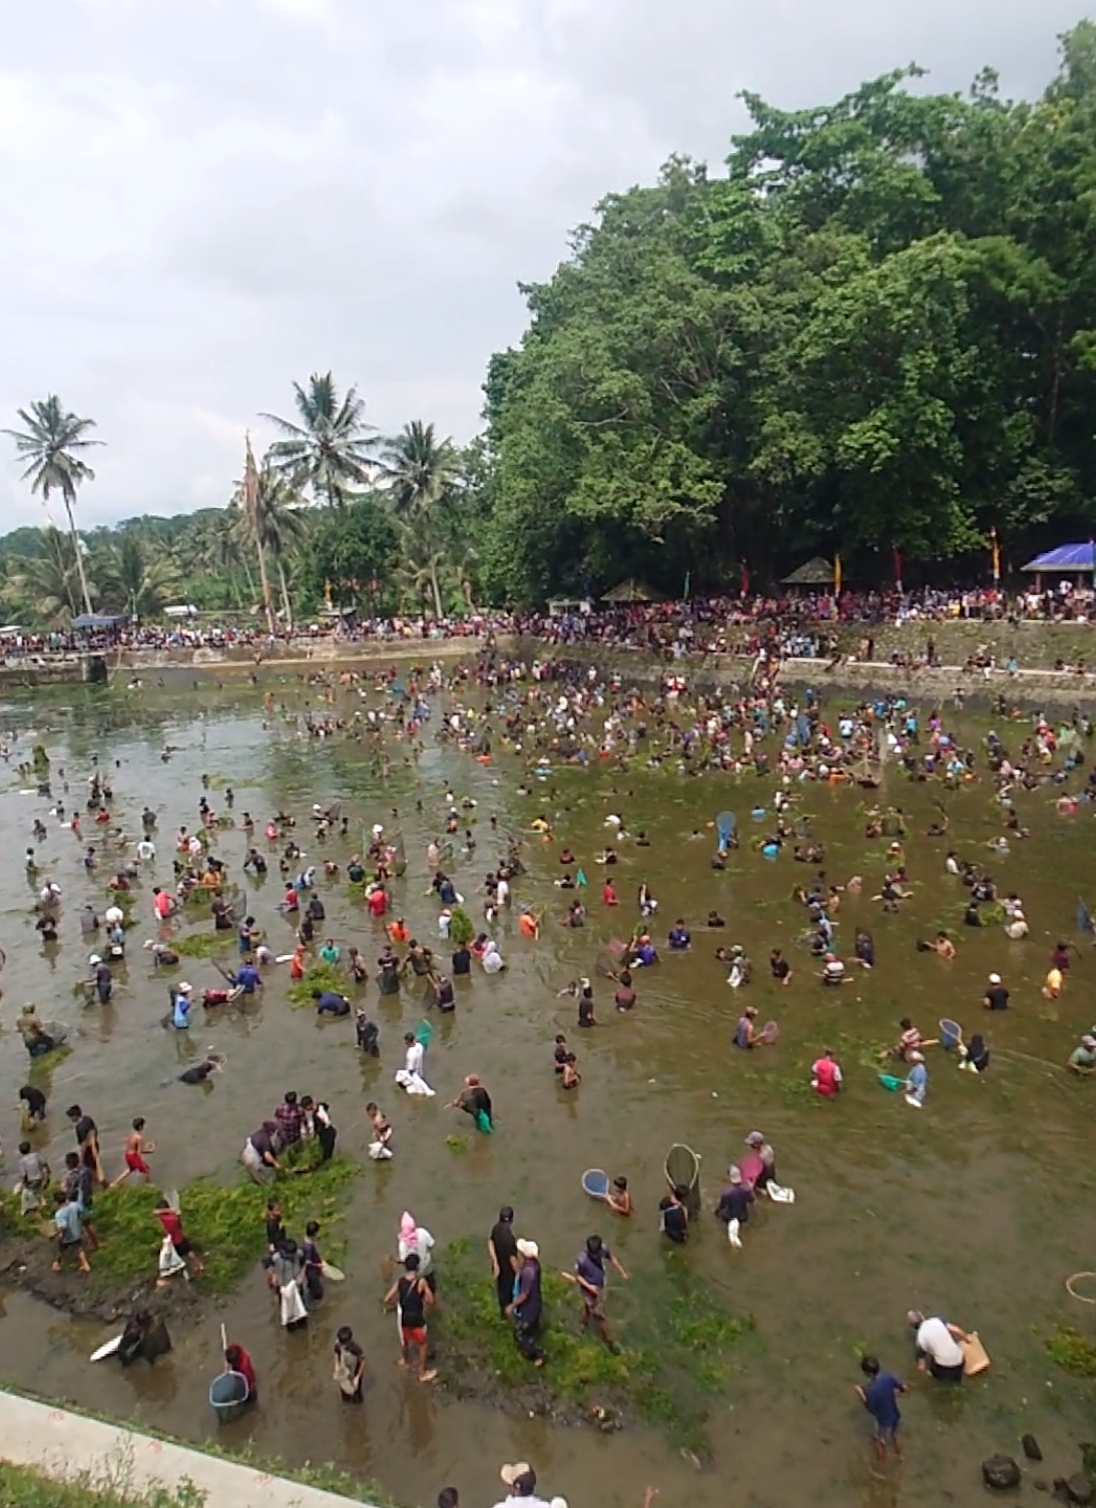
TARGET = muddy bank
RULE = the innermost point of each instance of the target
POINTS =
(27, 1263)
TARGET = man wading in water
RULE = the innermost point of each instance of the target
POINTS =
(412, 1297)
(589, 1278)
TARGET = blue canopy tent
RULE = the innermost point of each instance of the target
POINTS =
(1066, 560)
(99, 620)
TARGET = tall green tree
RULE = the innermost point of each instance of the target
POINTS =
(134, 579)
(51, 442)
(278, 523)
(328, 448)
(421, 473)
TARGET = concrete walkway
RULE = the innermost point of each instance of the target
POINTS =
(63, 1444)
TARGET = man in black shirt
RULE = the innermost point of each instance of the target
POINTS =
(502, 1247)
(996, 996)
(462, 960)
(675, 1217)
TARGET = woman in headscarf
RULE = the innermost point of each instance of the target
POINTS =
(493, 961)
(416, 1238)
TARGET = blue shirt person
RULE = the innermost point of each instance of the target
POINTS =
(879, 1395)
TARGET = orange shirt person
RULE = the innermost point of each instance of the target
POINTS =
(398, 931)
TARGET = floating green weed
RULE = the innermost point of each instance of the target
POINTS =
(318, 976)
(203, 944)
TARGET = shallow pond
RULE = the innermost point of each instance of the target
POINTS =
(976, 1207)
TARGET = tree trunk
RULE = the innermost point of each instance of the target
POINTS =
(286, 606)
(268, 605)
(436, 589)
(79, 557)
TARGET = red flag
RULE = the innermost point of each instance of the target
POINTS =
(744, 580)
(897, 553)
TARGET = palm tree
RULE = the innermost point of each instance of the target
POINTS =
(421, 471)
(43, 586)
(276, 523)
(50, 443)
(132, 578)
(249, 495)
(330, 445)
(423, 563)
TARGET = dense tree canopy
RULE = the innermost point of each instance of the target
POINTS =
(873, 331)
(876, 330)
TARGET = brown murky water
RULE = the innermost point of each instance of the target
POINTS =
(977, 1207)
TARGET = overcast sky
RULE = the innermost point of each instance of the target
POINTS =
(204, 201)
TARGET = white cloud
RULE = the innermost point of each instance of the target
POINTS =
(204, 202)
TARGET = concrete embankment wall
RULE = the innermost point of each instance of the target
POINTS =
(61, 1444)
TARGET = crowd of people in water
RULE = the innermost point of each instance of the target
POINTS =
(550, 713)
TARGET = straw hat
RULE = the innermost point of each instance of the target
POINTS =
(528, 1248)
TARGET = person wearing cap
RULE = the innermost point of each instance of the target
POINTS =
(745, 1035)
(734, 1203)
(996, 996)
(1083, 1057)
(503, 1251)
(180, 1006)
(521, 1481)
(101, 978)
(527, 1304)
(917, 1080)
(762, 1150)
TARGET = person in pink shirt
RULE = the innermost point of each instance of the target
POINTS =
(826, 1074)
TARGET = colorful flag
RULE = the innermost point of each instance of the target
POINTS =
(744, 580)
(897, 557)
(996, 548)
(837, 575)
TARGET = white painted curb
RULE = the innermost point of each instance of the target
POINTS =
(61, 1444)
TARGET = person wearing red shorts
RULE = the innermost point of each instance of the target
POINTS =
(136, 1150)
(411, 1294)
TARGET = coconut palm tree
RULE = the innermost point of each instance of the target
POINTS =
(248, 494)
(50, 443)
(278, 522)
(329, 447)
(132, 578)
(45, 587)
(420, 471)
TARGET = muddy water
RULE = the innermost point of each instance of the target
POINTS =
(978, 1206)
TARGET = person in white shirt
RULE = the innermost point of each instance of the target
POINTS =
(521, 1480)
(415, 1055)
(416, 1238)
(502, 893)
(146, 851)
(937, 1346)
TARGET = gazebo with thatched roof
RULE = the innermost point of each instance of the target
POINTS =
(631, 591)
(814, 572)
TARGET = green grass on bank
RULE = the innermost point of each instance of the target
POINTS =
(225, 1224)
(671, 1364)
(23, 1487)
